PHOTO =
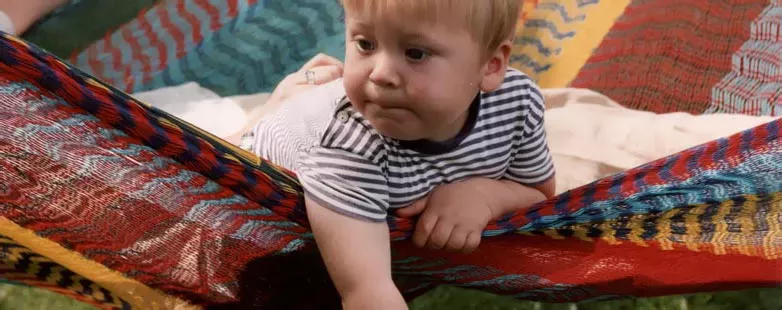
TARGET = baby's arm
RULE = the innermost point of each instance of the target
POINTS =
(530, 176)
(346, 197)
(357, 256)
(507, 196)
(459, 209)
(454, 215)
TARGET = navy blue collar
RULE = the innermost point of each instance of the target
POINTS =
(425, 146)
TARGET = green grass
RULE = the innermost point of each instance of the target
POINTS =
(14, 297)
(756, 299)
(24, 298)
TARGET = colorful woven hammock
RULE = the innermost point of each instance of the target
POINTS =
(121, 205)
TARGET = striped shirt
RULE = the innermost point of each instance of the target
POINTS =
(347, 166)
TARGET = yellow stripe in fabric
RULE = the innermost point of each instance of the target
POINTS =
(609, 233)
(565, 54)
(664, 232)
(747, 221)
(720, 238)
(55, 274)
(15, 39)
(553, 233)
(581, 232)
(760, 234)
(693, 228)
(18, 253)
(95, 83)
(136, 293)
(34, 267)
(636, 225)
(772, 242)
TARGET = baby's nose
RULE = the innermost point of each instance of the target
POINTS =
(384, 73)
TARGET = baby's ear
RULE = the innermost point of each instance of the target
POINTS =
(496, 66)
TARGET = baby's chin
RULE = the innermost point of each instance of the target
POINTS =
(396, 131)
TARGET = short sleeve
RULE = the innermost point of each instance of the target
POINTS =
(345, 182)
(532, 163)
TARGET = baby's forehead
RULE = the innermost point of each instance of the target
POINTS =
(394, 21)
(418, 11)
(489, 22)
(408, 23)
(437, 34)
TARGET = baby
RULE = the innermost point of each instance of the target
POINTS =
(427, 119)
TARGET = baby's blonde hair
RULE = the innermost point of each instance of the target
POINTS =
(490, 22)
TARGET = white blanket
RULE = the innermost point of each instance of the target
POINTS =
(590, 136)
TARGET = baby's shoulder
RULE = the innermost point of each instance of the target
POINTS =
(310, 112)
(513, 74)
(349, 131)
(318, 103)
(517, 92)
(519, 84)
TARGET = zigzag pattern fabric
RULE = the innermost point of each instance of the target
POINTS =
(232, 47)
(696, 56)
(246, 46)
(21, 265)
(556, 37)
(754, 84)
(179, 215)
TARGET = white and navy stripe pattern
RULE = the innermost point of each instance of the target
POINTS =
(345, 165)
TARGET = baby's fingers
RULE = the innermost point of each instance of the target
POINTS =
(439, 237)
(423, 230)
(414, 209)
(457, 241)
(472, 242)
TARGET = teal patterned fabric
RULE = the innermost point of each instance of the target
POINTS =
(232, 47)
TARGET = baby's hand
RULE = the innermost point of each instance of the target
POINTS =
(453, 217)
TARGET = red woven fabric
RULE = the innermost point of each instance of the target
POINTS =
(667, 55)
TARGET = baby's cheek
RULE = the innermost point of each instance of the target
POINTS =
(352, 83)
(433, 100)
(424, 94)
(418, 88)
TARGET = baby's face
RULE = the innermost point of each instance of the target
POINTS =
(411, 79)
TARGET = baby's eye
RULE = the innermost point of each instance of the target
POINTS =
(416, 54)
(365, 45)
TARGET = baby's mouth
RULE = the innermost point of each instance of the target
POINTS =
(384, 105)
(385, 110)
